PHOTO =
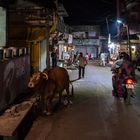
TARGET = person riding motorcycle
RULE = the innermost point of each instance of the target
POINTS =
(123, 67)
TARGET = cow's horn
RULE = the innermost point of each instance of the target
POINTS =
(37, 76)
(46, 76)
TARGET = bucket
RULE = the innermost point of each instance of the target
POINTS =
(9, 53)
(23, 51)
(27, 50)
(1, 54)
(16, 52)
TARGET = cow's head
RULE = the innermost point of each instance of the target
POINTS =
(36, 78)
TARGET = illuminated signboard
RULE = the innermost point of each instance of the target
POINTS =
(2, 27)
(86, 42)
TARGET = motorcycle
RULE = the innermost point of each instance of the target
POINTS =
(128, 89)
(124, 87)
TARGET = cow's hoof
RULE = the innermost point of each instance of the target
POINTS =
(70, 102)
(47, 113)
(65, 102)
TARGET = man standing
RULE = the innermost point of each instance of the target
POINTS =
(54, 58)
(103, 59)
(82, 64)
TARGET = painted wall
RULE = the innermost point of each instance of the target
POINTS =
(2, 27)
(14, 75)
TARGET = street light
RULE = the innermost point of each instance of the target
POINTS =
(128, 36)
(119, 21)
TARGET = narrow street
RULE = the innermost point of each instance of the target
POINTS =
(94, 115)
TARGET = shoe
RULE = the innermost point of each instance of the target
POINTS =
(79, 78)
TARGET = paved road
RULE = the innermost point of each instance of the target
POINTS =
(94, 115)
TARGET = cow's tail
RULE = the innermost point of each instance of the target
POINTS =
(72, 89)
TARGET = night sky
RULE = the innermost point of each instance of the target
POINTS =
(91, 12)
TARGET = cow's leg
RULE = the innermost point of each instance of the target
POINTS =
(60, 97)
(68, 95)
(47, 109)
(48, 103)
(42, 103)
(72, 90)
